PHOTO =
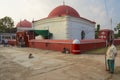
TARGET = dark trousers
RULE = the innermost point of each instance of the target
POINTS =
(110, 65)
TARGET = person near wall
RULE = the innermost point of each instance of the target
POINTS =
(65, 50)
(110, 57)
(5, 42)
(21, 42)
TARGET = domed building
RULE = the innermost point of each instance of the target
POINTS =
(64, 22)
(24, 25)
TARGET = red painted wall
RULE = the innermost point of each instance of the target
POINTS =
(87, 45)
(58, 45)
(12, 42)
(117, 41)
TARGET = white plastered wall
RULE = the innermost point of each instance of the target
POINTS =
(76, 25)
(66, 27)
(56, 26)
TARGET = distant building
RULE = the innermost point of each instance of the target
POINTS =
(24, 25)
(64, 22)
(8, 36)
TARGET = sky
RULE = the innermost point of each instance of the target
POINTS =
(100, 11)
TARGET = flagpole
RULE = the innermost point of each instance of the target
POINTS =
(111, 22)
(63, 2)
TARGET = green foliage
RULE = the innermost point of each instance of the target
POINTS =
(12, 30)
(97, 51)
(119, 33)
(97, 30)
(117, 70)
(118, 26)
(100, 51)
(98, 27)
(116, 35)
(96, 34)
(117, 29)
(6, 24)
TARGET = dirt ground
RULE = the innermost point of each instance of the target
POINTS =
(52, 65)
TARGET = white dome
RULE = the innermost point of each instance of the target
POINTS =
(76, 41)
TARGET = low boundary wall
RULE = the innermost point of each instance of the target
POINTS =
(12, 42)
(58, 45)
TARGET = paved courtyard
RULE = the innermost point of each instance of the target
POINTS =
(52, 65)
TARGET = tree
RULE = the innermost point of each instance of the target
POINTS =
(117, 29)
(118, 26)
(98, 27)
(6, 24)
(97, 30)
(2, 27)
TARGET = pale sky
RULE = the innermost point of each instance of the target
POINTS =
(94, 10)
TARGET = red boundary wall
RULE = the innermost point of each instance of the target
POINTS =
(58, 45)
(12, 42)
(87, 45)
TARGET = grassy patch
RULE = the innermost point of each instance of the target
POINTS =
(97, 51)
(100, 51)
(118, 47)
(117, 70)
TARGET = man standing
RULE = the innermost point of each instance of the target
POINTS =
(5, 42)
(110, 56)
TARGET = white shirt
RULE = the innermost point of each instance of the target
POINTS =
(6, 41)
(111, 52)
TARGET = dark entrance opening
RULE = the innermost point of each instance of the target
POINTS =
(82, 35)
